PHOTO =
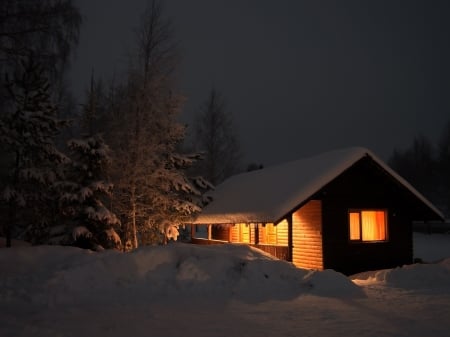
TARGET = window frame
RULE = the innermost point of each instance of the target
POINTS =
(360, 211)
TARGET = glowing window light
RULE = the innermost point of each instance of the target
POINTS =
(355, 233)
(367, 225)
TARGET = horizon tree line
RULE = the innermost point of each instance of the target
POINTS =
(427, 167)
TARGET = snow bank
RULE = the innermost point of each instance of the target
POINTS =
(434, 274)
(418, 277)
(331, 284)
(193, 290)
(50, 275)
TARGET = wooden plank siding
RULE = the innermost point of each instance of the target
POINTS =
(242, 233)
(220, 232)
(307, 249)
(280, 252)
(253, 234)
(234, 233)
(270, 234)
(282, 233)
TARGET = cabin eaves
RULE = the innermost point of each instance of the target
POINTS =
(267, 195)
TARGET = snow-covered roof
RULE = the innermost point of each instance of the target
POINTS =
(267, 195)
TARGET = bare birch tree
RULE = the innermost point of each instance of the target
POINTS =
(150, 186)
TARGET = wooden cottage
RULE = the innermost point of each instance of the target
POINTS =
(344, 210)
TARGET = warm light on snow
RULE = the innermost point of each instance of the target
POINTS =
(371, 280)
(215, 291)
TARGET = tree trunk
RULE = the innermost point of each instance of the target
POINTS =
(133, 218)
(12, 204)
(8, 233)
(135, 241)
(10, 219)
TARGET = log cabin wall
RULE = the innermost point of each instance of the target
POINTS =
(235, 233)
(366, 186)
(241, 233)
(270, 234)
(221, 232)
(262, 233)
(307, 236)
(282, 233)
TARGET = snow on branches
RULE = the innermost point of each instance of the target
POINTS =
(33, 163)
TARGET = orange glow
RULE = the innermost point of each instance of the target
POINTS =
(273, 234)
(244, 232)
(355, 233)
(373, 225)
(282, 233)
(368, 225)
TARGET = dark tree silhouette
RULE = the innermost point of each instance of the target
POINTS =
(214, 135)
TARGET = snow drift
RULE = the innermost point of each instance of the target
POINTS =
(417, 277)
(215, 291)
(49, 275)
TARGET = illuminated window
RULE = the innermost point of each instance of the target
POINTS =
(368, 225)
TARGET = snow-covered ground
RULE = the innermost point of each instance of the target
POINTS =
(188, 290)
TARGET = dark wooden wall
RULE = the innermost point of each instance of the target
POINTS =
(220, 232)
(367, 186)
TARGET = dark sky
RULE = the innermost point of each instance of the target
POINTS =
(300, 77)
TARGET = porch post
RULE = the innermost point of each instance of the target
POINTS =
(209, 232)
(289, 220)
(192, 231)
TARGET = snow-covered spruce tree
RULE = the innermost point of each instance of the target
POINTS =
(88, 190)
(152, 192)
(47, 29)
(92, 222)
(176, 199)
(29, 126)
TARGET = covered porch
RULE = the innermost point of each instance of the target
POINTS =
(268, 237)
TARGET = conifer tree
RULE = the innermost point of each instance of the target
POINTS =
(443, 185)
(215, 137)
(88, 190)
(29, 127)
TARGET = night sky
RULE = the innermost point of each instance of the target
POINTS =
(300, 77)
